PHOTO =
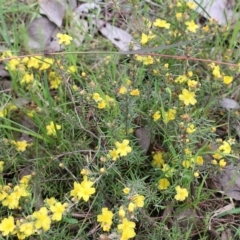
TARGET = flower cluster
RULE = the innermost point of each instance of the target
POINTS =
(29, 69)
(181, 194)
(83, 190)
(21, 146)
(224, 149)
(146, 60)
(32, 224)
(52, 128)
(168, 116)
(64, 39)
(216, 72)
(121, 150)
(40, 220)
(103, 101)
(10, 197)
(125, 226)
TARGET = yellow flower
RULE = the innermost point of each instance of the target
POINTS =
(122, 148)
(83, 190)
(20, 191)
(191, 5)
(25, 179)
(64, 38)
(138, 200)
(21, 145)
(102, 104)
(227, 79)
(146, 38)
(3, 112)
(166, 65)
(168, 171)
(192, 83)
(135, 92)
(121, 212)
(190, 73)
(225, 147)
(105, 219)
(206, 28)
(54, 84)
(214, 162)
(191, 26)
(199, 160)
(126, 190)
(187, 151)
(161, 23)
(187, 97)
(72, 69)
(156, 116)
(179, 16)
(27, 78)
(1, 166)
(33, 63)
(147, 60)
(231, 141)
(54, 80)
(182, 193)
(11, 201)
(222, 163)
(46, 63)
(7, 226)
(186, 164)
(4, 190)
(170, 115)
(196, 174)
(113, 154)
(50, 201)
(158, 160)
(12, 64)
(191, 128)
(131, 207)
(85, 172)
(96, 97)
(217, 156)
(26, 229)
(57, 210)
(122, 90)
(163, 184)
(42, 219)
(139, 58)
(216, 72)
(75, 88)
(25, 60)
(51, 128)
(181, 79)
(6, 54)
(126, 228)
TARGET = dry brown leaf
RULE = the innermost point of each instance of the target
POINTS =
(220, 10)
(3, 72)
(229, 103)
(40, 32)
(144, 138)
(72, 4)
(229, 179)
(120, 38)
(53, 9)
(53, 45)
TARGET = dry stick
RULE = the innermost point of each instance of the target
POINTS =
(145, 51)
(5, 90)
(132, 53)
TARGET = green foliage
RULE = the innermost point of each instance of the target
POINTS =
(69, 153)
